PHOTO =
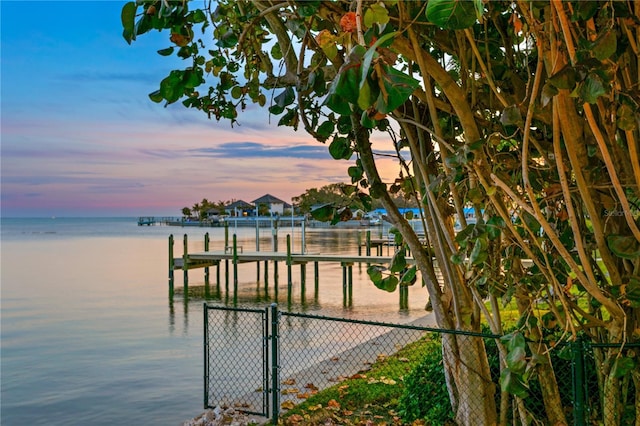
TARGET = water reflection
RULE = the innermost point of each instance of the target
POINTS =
(339, 290)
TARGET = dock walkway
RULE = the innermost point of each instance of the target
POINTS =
(235, 255)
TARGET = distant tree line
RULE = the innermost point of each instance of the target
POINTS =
(201, 210)
(335, 194)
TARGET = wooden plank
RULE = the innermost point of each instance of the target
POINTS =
(296, 258)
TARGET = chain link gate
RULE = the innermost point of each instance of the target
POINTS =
(234, 375)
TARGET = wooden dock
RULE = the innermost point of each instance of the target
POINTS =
(234, 255)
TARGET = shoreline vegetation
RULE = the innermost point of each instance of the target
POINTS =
(371, 396)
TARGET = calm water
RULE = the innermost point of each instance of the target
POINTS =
(89, 335)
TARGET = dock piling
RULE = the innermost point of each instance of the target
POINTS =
(289, 280)
(171, 266)
(206, 269)
(185, 264)
(235, 268)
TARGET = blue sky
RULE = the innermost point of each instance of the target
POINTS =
(79, 136)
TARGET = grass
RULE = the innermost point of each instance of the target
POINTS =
(366, 398)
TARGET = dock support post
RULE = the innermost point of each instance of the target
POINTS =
(316, 276)
(303, 243)
(257, 231)
(368, 243)
(289, 281)
(404, 296)
(226, 261)
(303, 280)
(350, 283)
(171, 266)
(206, 268)
(235, 268)
(185, 265)
(344, 284)
(347, 283)
(218, 279)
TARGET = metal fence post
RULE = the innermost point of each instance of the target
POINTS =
(275, 364)
(206, 355)
(577, 364)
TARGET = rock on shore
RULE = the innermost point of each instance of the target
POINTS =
(227, 416)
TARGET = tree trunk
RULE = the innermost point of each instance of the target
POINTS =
(471, 390)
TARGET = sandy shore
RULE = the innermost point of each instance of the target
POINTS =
(229, 417)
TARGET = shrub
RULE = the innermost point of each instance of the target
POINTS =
(425, 395)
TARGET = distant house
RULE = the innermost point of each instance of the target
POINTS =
(240, 208)
(273, 205)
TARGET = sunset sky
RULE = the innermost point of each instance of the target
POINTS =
(80, 137)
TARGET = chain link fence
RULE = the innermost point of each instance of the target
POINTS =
(267, 361)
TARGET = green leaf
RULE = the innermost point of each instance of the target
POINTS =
(197, 16)
(632, 292)
(355, 173)
(128, 17)
(369, 55)
(623, 366)
(548, 92)
(344, 124)
(409, 277)
(276, 109)
(166, 52)
(624, 246)
(340, 148)
(191, 79)
(626, 119)
(564, 79)
(375, 273)
(463, 236)
(171, 87)
(388, 283)
(531, 222)
(290, 118)
(398, 85)
(494, 227)
(366, 121)
(276, 52)
(398, 261)
(586, 10)
(457, 258)
(479, 253)
(236, 92)
(475, 195)
(513, 341)
(227, 39)
(335, 102)
(605, 45)
(367, 96)
(376, 14)
(323, 213)
(326, 129)
(592, 88)
(308, 8)
(517, 360)
(156, 96)
(348, 83)
(285, 98)
(512, 383)
(452, 14)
